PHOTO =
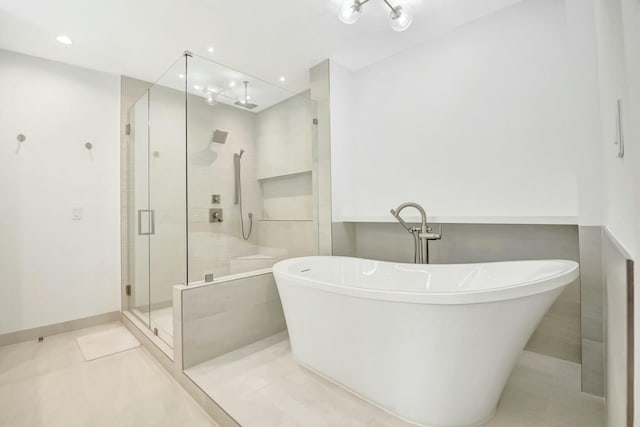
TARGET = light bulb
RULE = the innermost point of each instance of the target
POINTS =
(350, 11)
(401, 18)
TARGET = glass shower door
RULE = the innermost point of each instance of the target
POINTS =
(157, 201)
(167, 197)
(140, 224)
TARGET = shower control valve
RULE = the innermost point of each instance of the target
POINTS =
(215, 215)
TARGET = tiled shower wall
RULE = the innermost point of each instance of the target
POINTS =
(282, 205)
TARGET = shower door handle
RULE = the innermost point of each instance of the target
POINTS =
(152, 222)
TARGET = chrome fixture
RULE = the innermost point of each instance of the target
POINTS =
(21, 138)
(246, 102)
(89, 147)
(219, 136)
(400, 17)
(238, 195)
(421, 234)
(207, 156)
(215, 215)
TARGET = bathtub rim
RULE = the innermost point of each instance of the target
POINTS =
(505, 293)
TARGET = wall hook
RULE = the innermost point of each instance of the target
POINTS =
(21, 138)
(89, 146)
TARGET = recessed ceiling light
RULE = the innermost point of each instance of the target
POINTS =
(197, 87)
(210, 49)
(64, 39)
(181, 76)
(232, 84)
(282, 79)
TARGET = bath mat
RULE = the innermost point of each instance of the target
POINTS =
(105, 343)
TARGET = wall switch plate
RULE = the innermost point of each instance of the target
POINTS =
(215, 215)
(76, 214)
(215, 199)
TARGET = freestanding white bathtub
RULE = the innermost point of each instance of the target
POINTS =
(433, 344)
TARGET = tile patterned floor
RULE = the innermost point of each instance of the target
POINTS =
(49, 384)
(261, 385)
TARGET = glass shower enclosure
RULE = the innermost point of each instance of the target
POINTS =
(221, 180)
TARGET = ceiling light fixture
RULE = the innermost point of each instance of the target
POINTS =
(181, 76)
(282, 79)
(211, 99)
(210, 49)
(400, 17)
(64, 39)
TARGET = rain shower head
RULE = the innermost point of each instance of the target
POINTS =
(246, 102)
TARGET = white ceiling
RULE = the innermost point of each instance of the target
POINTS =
(265, 38)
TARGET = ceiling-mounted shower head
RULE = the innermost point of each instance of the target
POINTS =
(246, 102)
(239, 155)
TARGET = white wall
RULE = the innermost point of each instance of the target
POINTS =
(487, 121)
(343, 152)
(619, 64)
(618, 40)
(582, 38)
(52, 268)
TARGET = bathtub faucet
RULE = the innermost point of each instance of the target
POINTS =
(421, 234)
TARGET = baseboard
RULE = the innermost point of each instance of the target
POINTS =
(58, 328)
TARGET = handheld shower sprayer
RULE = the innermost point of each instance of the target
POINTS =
(238, 195)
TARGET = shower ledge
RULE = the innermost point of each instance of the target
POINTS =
(285, 175)
(551, 220)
